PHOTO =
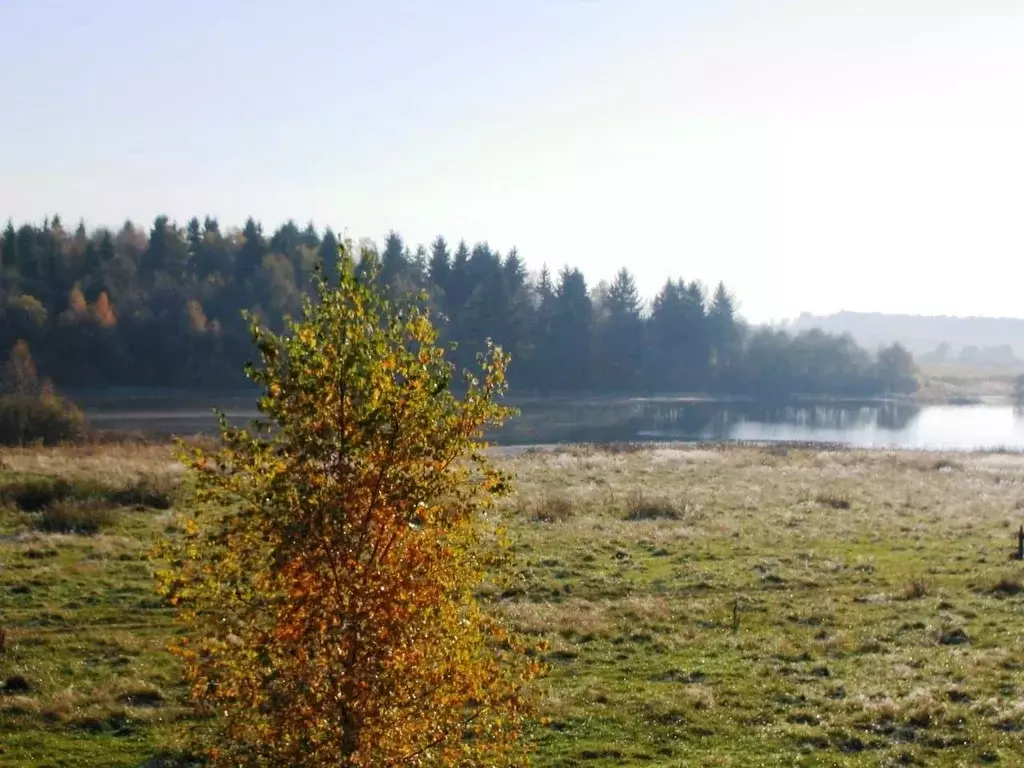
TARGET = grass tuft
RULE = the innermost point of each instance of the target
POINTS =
(953, 636)
(645, 506)
(152, 491)
(1007, 586)
(553, 508)
(70, 516)
(15, 684)
(915, 589)
(833, 500)
(142, 695)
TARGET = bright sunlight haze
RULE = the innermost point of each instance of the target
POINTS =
(814, 156)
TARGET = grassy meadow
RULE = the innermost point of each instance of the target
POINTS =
(708, 607)
(959, 384)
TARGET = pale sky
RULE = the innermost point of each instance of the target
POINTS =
(817, 155)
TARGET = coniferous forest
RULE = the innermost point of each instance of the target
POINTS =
(162, 307)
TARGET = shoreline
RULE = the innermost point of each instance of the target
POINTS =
(200, 398)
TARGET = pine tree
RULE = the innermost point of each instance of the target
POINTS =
(250, 256)
(514, 270)
(459, 281)
(393, 260)
(724, 336)
(439, 266)
(620, 336)
(8, 249)
(666, 345)
(572, 333)
(28, 256)
(105, 250)
(310, 237)
(194, 236)
(328, 256)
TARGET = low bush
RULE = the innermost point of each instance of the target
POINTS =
(915, 589)
(32, 493)
(641, 506)
(153, 491)
(71, 516)
(553, 508)
(46, 419)
(833, 500)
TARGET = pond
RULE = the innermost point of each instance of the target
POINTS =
(866, 425)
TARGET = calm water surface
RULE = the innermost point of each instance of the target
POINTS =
(555, 421)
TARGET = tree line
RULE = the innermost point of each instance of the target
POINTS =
(162, 307)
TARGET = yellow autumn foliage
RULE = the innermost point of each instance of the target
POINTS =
(326, 580)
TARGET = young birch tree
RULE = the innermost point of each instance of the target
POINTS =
(326, 578)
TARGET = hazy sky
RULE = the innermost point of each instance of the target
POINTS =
(816, 155)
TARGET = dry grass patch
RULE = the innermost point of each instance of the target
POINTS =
(570, 616)
(1010, 719)
(553, 508)
(113, 462)
(833, 500)
(647, 506)
(915, 589)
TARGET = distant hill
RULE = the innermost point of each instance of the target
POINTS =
(995, 341)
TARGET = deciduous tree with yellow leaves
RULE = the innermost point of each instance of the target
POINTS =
(326, 581)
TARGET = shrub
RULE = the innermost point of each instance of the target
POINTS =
(553, 508)
(154, 491)
(76, 517)
(326, 582)
(29, 410)
(46, 419)
(915, 589)
(31, 493)
(641, 506)
(833, 500)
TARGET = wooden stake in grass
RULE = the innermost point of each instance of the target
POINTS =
(1020, 543)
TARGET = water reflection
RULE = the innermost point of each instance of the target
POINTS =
(598, 420)
(707, 421)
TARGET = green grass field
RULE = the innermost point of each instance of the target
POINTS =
(725, 607)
